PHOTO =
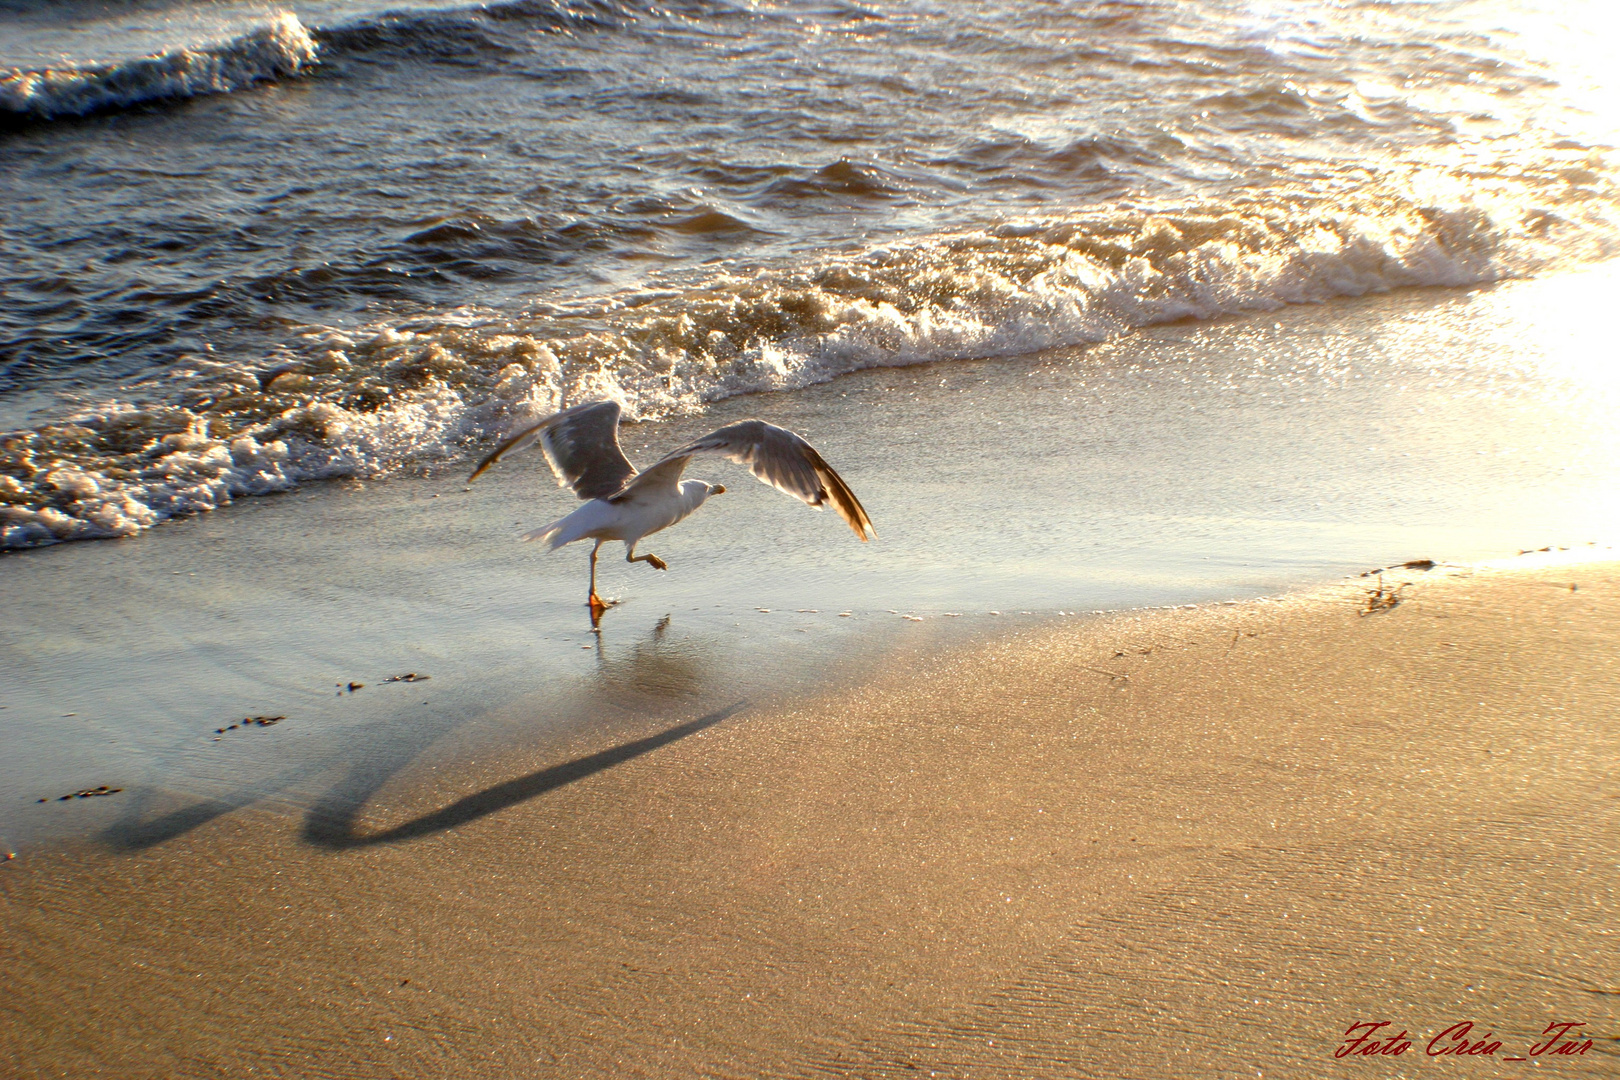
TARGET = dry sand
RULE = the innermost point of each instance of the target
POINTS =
(1174, 843)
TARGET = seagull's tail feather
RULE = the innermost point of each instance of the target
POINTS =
(589, 520)
(565, 530)
(552, 534)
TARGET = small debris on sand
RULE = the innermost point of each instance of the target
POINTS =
(356, 686)
(1410, 564)
(88, 793)
(1382, 598)
(411, 677)
(251, 721)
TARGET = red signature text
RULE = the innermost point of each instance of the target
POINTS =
(1364, 1039)
(1377, 1038)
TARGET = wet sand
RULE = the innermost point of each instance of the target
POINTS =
(1170, 843)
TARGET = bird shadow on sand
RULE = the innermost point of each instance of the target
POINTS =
(332, 822)
(651, 668)
(135, 831)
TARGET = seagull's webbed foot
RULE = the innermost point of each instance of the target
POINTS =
(652, 560)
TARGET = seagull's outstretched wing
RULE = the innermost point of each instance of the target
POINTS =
(582, 447)
(775, 455)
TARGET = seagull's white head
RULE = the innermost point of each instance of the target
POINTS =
(694, 493)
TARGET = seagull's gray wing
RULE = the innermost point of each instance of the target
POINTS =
(581, 445)
(778, 457)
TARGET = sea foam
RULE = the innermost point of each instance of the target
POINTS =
(397, 397)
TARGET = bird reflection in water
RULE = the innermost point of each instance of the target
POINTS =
(656, 666)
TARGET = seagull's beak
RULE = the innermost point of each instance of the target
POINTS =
(718, 489)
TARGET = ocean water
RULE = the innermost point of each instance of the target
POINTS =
(250, 245)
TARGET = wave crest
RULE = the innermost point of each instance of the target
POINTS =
(282, 48)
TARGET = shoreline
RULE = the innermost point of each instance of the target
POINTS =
(1194, 463)
(211, 474)
(1024, 855)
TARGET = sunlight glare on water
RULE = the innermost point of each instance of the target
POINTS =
(1576, 40)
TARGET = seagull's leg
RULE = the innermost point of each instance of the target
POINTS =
(598, 605)
(651, 560)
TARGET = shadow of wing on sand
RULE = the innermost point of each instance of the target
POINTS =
(135, 834)
(330, 823)
(136, 831)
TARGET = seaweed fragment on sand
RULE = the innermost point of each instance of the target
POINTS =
(1382, 598)
(251, 721)
(87, 793)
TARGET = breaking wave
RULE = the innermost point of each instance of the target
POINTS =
(284, 47)
(404, 396)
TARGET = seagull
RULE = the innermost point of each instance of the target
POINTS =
(581, 445)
